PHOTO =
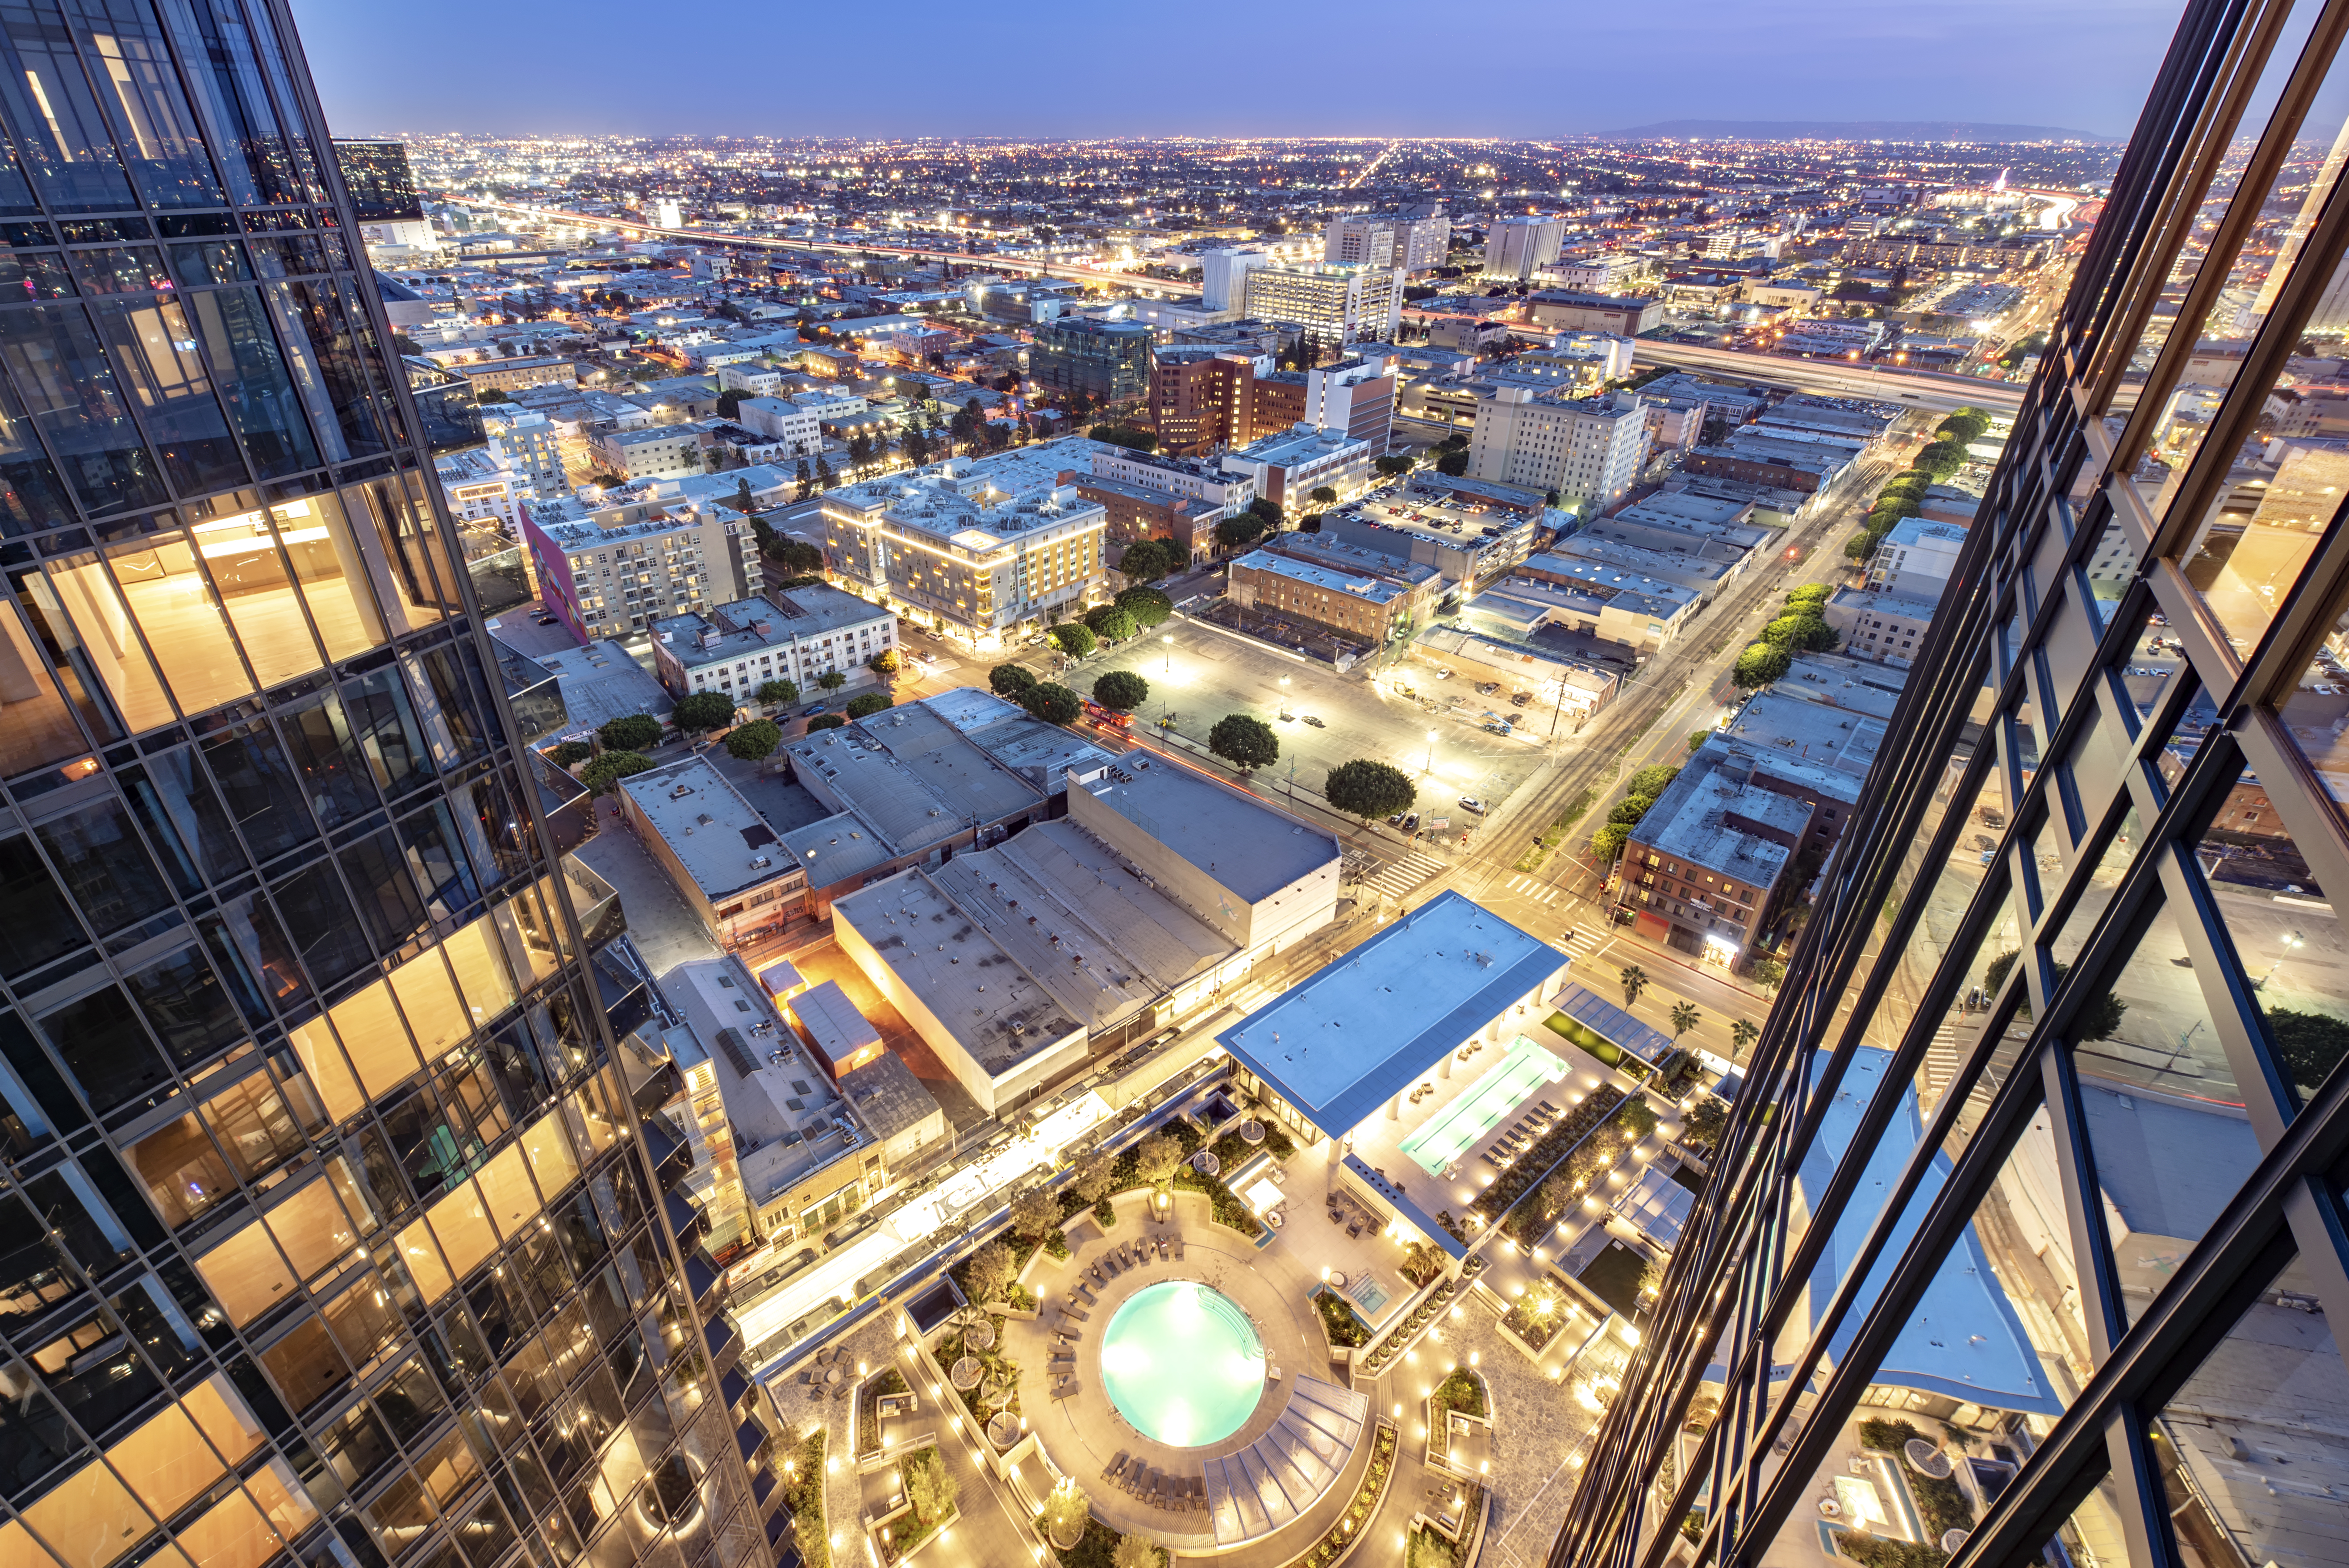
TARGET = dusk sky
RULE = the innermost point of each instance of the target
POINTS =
(1223, 68)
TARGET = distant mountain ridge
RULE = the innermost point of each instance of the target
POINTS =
(1850, 130)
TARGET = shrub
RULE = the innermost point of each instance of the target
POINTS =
(630, 732)
(991, 1268)
(1339, 1321)
(1653, 780)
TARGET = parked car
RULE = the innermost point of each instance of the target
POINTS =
(1501, 727)
(1315, 722)
(1469, 803)
(546, 620)
(1411, 822)
(819, 708)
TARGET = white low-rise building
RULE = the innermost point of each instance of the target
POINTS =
(798, 634)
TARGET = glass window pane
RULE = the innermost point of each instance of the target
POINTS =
(508, 1192)
(362, 1318)
(217, 51)
(157, 134)
(174, 799)
(334, 572)
(462, 1222)
(322, 1061)
(550, 1159)
(37, 725)
(435, 1014)
(314, 904)
(103, 865)
(120, 269)
(304, 1365)
(2151, 1030)
(101, 1040)
(312, 1229)
(327, 350)
(154, 351)
(184, 1174)
(96, 608)
(406, 586)
(260, 396)
(179, 609)
(327, 755)
(379, 877)
(90, 1516)
(2246, 567)
(420, 1255)
(185, 1004)
(210, 262)
(481, 972)
(2239, 1449)
(56, 118)
(66, 384)
(2316, 711)
(384, 719)
(245, 1272)
(377, 1040)
(264, 797)
(239, 553)
(281, 1497)
(36, 922)
(231, 1533)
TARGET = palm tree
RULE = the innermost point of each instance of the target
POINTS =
(1742, 1034)
(1684, 1018)
(1635, 980)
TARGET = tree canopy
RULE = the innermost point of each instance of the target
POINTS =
(779, 691)
(1148, 606)
(600, 774)
(1245, 741)
(1147, 560)
(1759, 666)
(570, 753)
(1010, 680)
(1112, 624)
(1367, 789)
(864, 704)
(630, 732)
(1239, 532)
(1121, 691)
(1075, 639)
(1942, 460)
(704, 710)
(1052, 702)
(825, 721)
(755, 741)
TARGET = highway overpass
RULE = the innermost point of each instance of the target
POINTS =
(1149, 287)
(1837, 378)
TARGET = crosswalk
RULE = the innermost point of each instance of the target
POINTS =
(1535, 889)
(1395, 879)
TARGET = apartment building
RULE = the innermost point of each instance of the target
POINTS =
(1288, 468)
(612, 571)
(1587, 450)
(1107, 361)
(1202, 398)
(1387, 240)
(1332, 304)
(1136, 511)
(656, 452)
(525, 441)
(983, 550)
(798, 634)
(1514, 247)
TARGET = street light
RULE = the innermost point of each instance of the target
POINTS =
(1431, 753)
(1167, 640)
(2291, 942)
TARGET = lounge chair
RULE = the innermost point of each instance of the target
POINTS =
(1178, 1244)
(1076, 1312)
(1116, 1466)
(1067, 1389)
(1062, 1358)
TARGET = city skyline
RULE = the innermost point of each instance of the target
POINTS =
(2080, 65)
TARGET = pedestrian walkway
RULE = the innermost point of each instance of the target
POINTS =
(1398, 878)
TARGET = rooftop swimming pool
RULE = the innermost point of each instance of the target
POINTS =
(1183, 1364)
(1460, 1126)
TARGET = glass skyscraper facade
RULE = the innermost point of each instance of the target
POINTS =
(329, 1226)
(2028, 1241)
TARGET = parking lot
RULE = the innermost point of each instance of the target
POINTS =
(1202, 673)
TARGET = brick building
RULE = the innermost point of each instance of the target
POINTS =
(1358, 604)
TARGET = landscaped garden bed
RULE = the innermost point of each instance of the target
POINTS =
(1529, 1168)
(803, 1491)
(1403, 1333)
(1340, 1324)
(1537, 1316)
(1463, 1391)
(1350, 1527)
(1543, 1198)
(868, 1420)
(1940, 1500)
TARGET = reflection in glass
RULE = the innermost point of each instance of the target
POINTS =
(71, 392)
(56, 118)
(155, 352)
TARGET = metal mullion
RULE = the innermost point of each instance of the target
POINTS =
(2303, 618)
(2134, 1472)
(2277, 339)
(2313, 1209)
(1952, 1211)
(2099, 1280)
(2223, 117)
(2267, 1093)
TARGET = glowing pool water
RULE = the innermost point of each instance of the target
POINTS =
(1183, 1364)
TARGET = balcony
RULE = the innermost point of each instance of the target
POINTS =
(685, 1218)
(725, 1345)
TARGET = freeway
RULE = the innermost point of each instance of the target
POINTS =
(1155, 288)
(1920, 389)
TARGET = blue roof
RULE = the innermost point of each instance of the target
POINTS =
(1964, 1339)
(1613, 1025)
(1358, 1031)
